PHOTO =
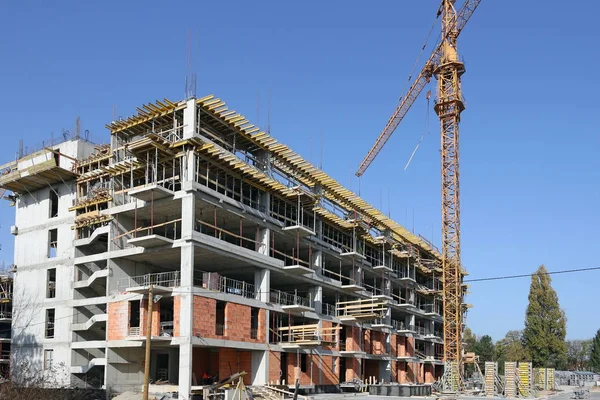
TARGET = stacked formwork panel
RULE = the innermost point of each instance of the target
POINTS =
(544, 378)
(262, 262)
(510, 379)
(525, 379)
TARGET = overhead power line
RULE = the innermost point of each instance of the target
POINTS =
(564, 271)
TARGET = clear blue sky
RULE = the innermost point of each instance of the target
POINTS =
(335, 69)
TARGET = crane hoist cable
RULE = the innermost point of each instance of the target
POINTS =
(423, 134)
(412, 71)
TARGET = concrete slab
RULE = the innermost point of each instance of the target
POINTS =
(150, 241)
(151, 192)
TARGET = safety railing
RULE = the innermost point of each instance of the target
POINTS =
(218, 283)
(398, 325)
(165, 279)
(328, 309)
(421, 330)
(289, 299)
(134, 331)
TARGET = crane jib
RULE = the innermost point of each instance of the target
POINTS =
(462, 18)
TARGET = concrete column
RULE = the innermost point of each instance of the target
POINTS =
(358, 274)
(317, 261)
(410, 321)
(385, 371)
(262, 282)
(190, 166)
(316, 293)
(186, 304)
(189, 119)
(260, 367)
(263, 241)
(186, 318)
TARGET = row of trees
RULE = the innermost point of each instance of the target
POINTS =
(543, 340)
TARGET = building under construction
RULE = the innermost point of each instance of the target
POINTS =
(258, 262)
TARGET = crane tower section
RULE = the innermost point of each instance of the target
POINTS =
(448, 108)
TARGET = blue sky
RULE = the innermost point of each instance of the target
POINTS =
(335, 69)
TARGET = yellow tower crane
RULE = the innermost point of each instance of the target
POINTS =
(445, 65)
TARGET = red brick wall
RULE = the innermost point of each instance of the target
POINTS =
(237, 320)
(328, 374)
(394, 344)
(232, 361)
(262, 325)
(329, 334)
(352, 338)
(275, 367)
(420, 372)
(205, 316)
(401, 340)
(410, 346)
(367, 341)
(118, 320)
(402, 367)
(155, 318)
(429, 373)
(321, 367)
(394, 368)
(176, 314)
(378, 340)
(411, 371)
(352, 369)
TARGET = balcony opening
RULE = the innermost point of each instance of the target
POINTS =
(303, 362)
(53, 203)
(254, 323)
(134, 318)
(51, 283)
(220, 320)
(50, 323)
(166, 316)
(52, 242)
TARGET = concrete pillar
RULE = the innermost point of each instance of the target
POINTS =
(410, 321)
(260, 367)
(263, 241)
(317, 261)
(262, 282)
(186, 304)
(186, 318)
(385, 371)
(316, 293)
(189, 119)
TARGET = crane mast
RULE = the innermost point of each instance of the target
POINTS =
(445, 65)
(448, 108)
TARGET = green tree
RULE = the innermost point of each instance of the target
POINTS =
(545, 324)
(510, 348)
(469, 340)
(594, 362)
(578, 354)
(484, 348)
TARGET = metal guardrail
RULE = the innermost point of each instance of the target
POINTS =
(165, 279)
(134, 331)
(216, 282)
(398, 325)
(289, 299)
(328, 309)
